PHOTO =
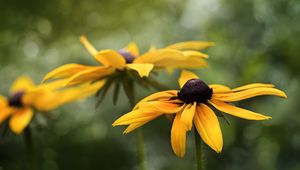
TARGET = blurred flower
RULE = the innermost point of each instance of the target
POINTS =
(121, 63)
(27, 97)
(191, 105)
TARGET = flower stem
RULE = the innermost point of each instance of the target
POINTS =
(130, 93)
(29, 149)
(199, 154)
(140, 149)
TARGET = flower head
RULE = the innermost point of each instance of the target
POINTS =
(191, 105)
(27, 97)
(180, 55)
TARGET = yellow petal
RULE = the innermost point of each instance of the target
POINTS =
(178, 136)
(133, 49)
(191, 45)
(236, 111)
(56, 84)
(251, 86)
(20, 120)
(208, 127)
(217, 88)
(4, 109)
(49, 100)
(137, 116)
(90, 75)
(249, 93)
(161, 58)
(80, 92)
(142, 69)
(186, 76)
(92, 50)
(190, 62)
(65, 71)
(86, 43)
(187, 115)
(195, 54)
(152, 48)
(134, 126)
(22, 83)
(162, 106)
(164, 95)
(113, 58)
(167, 58)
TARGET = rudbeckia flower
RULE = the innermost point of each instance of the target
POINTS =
(192, 104)
(26, 97)
(181, 55)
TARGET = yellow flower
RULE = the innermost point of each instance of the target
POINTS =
(180, 55)
(27, 97)
(191, 105)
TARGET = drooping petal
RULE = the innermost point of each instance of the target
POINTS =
(136, 116)
(195, 54)
(190, 62)
(48, 100)
(162, 58)
(133, 49)
(191, 45)
(80, 92)
(4, 109)
(186, 76)
(178, 136)
(251, 86)
(134, 126)
(187, 115)
(56, 84)
(113, 58)
(90, 75)
(168, 58)
(22, 83)
(20, 120)
(249, 93)
(164, 95)
(162, 106)
(208, 127)
(65, 71)
(142, 69)
(217, 88)
(238, 112)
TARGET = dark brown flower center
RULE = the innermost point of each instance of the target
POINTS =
(16, 99)
(128, 56)
(195, 90)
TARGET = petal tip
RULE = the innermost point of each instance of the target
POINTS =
(180, 155)
(268, 117)
(82, 38)
(284, 96)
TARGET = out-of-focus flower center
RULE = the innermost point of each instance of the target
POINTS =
(128, 56)
(16, 99)
(195, 90)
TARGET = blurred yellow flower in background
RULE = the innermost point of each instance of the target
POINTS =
(26, 97)
(181, 55)
(191, 105)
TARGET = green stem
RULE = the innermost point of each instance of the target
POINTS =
(199, 153)
(128, 85)
(29, 149)
(140, 149)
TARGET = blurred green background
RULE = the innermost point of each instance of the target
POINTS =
(257, 41)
